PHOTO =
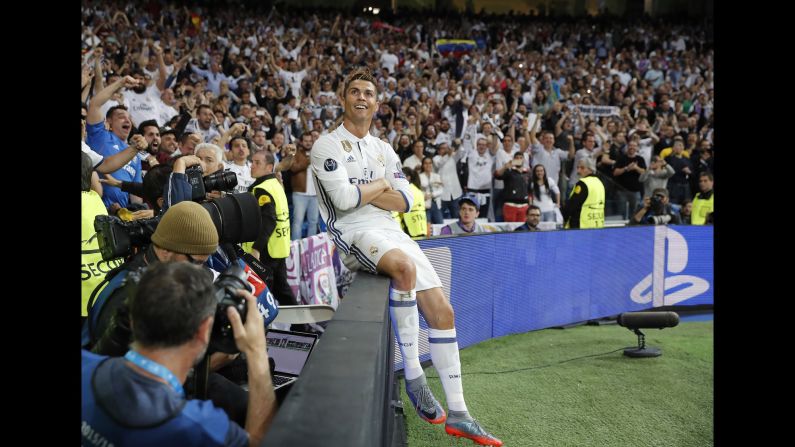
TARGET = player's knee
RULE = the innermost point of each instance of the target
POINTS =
(446, 316)
(405, 271)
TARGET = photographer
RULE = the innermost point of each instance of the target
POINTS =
(139, 399)
(213, 158)
(185, 233)
(656, 210)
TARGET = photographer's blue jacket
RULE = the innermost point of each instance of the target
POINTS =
(121, 407)
(177, 190)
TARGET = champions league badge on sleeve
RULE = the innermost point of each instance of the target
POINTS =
(398, 171)
(330, 165)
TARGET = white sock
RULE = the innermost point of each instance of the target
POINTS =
(406, 324)
(444, 354)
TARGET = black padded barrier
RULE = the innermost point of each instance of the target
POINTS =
(344, 394)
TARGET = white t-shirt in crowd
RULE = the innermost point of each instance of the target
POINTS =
(144, 106)
(244, 179)
(389, 61)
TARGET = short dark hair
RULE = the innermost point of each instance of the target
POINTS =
(184, 137)
(154, 183)
(147, 123)
(239, 137)
(269, 158)
(532, 207)
(113, 109)
(707, 174)
(359, 74)
(203, 106)
(412, 177)
(171, 301)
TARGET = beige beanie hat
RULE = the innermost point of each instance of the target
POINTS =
(188, 229)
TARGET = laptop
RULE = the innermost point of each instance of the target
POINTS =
(289, 351)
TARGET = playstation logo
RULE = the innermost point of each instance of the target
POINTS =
(659, 287)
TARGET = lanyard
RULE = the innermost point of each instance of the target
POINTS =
(155, 368)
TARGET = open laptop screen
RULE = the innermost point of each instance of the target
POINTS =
(290, 350)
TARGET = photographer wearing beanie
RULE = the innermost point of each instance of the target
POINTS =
(185, 233)
(138, 399)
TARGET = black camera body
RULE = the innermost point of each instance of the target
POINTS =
(655, 203)
(222, 338)
(217, 181)
(116, 238)
(119, 332)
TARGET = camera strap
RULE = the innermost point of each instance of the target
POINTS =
(111, 274)
(255, 264)
(155, 368)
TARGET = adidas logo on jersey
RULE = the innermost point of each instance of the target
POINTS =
(350, 159)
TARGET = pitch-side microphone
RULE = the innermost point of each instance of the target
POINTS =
(648, 320)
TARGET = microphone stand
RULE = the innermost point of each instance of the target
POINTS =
(642, 350)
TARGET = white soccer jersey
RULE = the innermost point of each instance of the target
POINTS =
(340, 162)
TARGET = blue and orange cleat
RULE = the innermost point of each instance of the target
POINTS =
(422, 399)
(464, 426)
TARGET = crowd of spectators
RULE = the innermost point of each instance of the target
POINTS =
(271, 77)
(495, 130)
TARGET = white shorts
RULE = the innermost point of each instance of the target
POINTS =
(368, 246)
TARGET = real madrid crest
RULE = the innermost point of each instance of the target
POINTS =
(347, 145)
(373, 250)
(380, 159)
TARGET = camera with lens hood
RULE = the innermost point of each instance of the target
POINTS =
(236, 217)
(217, 181)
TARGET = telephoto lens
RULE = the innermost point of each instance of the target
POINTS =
(220, 181)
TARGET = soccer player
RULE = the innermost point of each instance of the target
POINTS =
(359, 182)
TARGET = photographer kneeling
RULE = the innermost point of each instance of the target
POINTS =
(139, 399)
(656, 210)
